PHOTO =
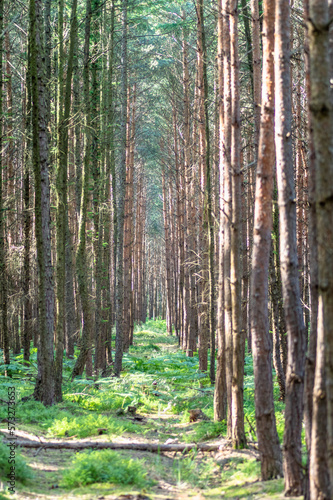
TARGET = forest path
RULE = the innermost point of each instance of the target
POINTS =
(163, 385)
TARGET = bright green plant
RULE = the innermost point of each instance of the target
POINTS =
(22, 471)
(91, 425)
(104, 466)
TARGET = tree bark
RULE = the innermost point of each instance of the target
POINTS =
(288, 255)
(220, 409)
(238, 332)
(64, 106)
(227, 208)
(3, 271)
(268, 440)
(121, 199)
(44, 389)
(321, 454)
(152, 447)
(81, 263)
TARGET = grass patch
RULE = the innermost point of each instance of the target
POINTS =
(104, 466)
(91, 425)
(23, 472)
(203, 431)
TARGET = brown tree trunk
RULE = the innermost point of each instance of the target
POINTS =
(3, 271)
(310, 361)
(238, 332)
(288, 255)
(268, 440)
(27, 306)
(121, 199)
(227, 209)
(64, 107)
(44, 389)
(321, 454)
(275, 313)
(81, 262)
(220, 410)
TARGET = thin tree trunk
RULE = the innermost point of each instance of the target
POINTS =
(321, 454)
(121, 199)
(44, 389)
(220, 410)
(27, 311)
(288, 255)
(268, 440)
(227, 209)
(275, 299)
(81, 261)
(238, 332)
(3, 270)
(310, 361)
(64, 106)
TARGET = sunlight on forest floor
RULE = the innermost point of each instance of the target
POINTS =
(164, 385)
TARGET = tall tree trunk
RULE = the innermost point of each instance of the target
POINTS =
(207, 176)
(220, 409)
(189, 277)
(121, 198)
(288, 255)
(227, 208)
(268, 440)
(64, 106)
(3, 271)
(44, 389)
(97, 201)
(256, 72)
(310, 361)
(81, 260)
(238, 332)
(321, 454)
(27, 311)
(109, 174)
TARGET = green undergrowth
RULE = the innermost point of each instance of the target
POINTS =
(22, 472)
(163, 384)
(105, 466)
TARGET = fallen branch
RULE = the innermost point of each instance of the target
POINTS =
(153, 447)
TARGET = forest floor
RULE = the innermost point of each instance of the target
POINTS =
(163, 385)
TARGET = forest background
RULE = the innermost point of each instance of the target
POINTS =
(173, 159)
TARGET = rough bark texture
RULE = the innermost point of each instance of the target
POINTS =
(238, 333)
(310, 361)
(321, 454)
(27, 226)
(3, 277)
(256, 71)
(64, 106)
(81, 265)
(121, 198)
(226, 152)
(220, 395)
(268, 440)
(288, 255)
(153, 447)
(44, 389)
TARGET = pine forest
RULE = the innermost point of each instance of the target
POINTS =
(166, 249)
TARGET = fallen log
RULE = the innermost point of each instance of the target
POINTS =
(99, 445)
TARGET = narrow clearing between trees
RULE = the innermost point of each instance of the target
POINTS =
(151, 404)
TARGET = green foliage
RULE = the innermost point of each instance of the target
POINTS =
(164, 385)
(104, 466)
(189, 470)
(34, 412)
(203, 431)
(22, 471)
(91, 425)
